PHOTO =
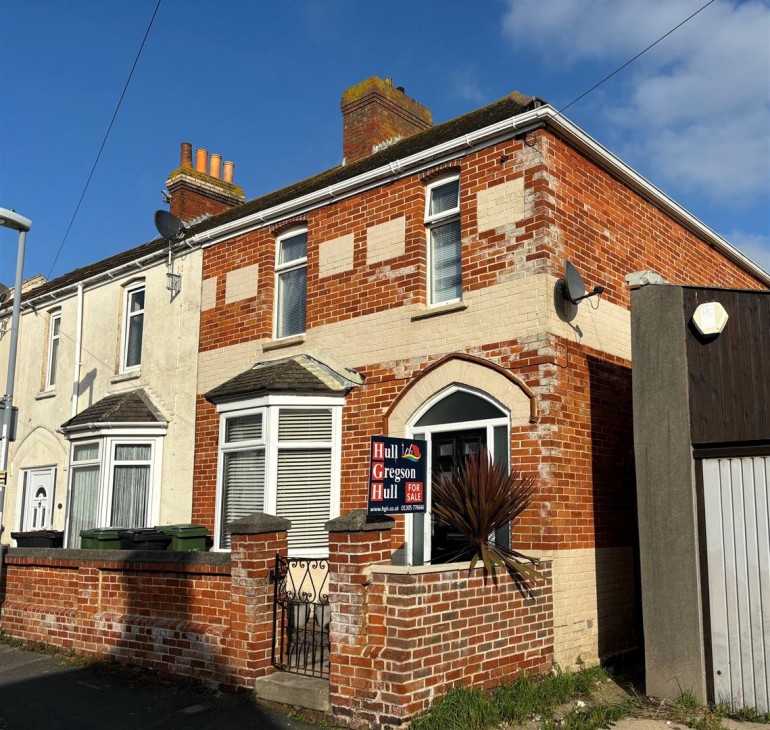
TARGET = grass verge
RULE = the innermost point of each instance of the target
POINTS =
(465, 708)
(687, 711)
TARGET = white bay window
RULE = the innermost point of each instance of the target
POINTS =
(114, 482)
(280, 455)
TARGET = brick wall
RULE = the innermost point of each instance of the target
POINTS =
(401, 637)
(526, 205)
(202, 615)
(608, 231)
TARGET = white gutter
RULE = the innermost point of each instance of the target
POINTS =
(452, 149)
(447, 150)
(459, 147)
(109, 275)
(132, 426)
(647, 190)
(78, 352)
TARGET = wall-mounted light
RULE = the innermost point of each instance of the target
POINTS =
(710, 318)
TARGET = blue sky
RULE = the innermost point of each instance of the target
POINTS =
(260, 83)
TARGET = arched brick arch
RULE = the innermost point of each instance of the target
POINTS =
(462, 369)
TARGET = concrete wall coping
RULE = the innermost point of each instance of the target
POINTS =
(359, 521)
(192, 558)
(258, 524)
(419, 569)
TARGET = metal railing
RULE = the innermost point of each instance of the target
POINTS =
(301, 616)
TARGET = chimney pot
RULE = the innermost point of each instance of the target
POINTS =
(201, 158)
(216, 163)
(186, 155)
(229, 168)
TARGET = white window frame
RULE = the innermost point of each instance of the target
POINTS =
(107, 462)
(437, 220)
(425, 432)
(271, 406)
(54, 338)
(129, 290)
(283, 269)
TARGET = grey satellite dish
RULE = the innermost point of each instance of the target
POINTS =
(5, 292)
(169, 226)
(575, 287)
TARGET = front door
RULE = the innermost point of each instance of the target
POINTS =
(449, 450)
(37, 499)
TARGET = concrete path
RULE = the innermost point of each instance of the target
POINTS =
(638, 723)
(41, 692)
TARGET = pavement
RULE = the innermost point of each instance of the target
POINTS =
(43, 692)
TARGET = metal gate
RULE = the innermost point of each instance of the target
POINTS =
(737, 520)
(301, 616)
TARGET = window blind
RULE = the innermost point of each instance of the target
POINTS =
(304, 495)
(304, 424)
(243, 488)
(292, 293)
(445, 262)
(244, 428)
(292, 248)
(444, 197)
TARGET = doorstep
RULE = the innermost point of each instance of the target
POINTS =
(294, 689)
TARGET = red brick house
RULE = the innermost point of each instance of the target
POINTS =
(414, 291)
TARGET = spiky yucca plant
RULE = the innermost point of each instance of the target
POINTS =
(477, 497)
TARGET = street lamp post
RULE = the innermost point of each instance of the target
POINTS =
(11, 219)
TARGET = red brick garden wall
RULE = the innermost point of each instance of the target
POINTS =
(401, 637)
(202, 615)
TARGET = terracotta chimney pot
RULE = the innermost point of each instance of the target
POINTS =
(215, 165)
(186, 156)
(201, 158)
(229, 168)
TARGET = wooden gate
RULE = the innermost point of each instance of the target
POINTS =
(737, 521)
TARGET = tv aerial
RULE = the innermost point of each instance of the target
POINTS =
(169, 226)
(574, 288)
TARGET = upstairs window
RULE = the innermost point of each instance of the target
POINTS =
(442, 219)
(291, 283)
(133, 327)
(54, 332)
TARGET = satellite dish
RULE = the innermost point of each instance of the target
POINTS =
(575, 287)
(4, 293)
(169, 226)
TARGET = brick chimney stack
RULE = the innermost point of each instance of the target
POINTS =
(197, 191)
(375, 114)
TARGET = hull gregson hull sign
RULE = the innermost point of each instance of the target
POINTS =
(397, 474)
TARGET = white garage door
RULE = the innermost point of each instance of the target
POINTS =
(737, 509)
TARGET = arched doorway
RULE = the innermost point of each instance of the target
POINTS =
(455, 423)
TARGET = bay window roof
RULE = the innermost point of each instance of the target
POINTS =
(133, 406)
(296, 375)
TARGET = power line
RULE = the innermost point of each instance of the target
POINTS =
(104, 141)
(631, 60)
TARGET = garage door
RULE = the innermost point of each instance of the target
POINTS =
(737, 518)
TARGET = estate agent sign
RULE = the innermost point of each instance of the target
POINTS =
(397, 475)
